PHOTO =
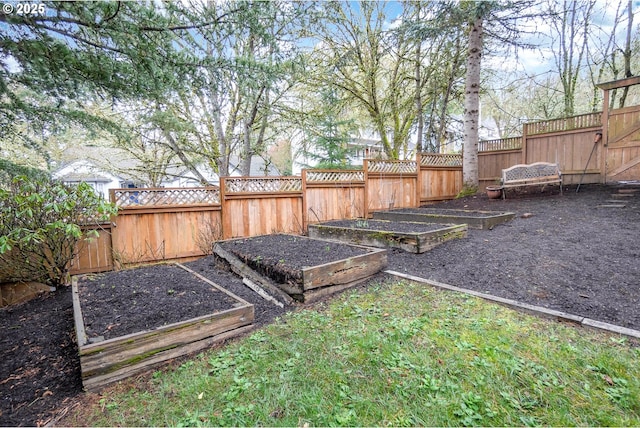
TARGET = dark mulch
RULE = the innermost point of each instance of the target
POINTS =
(119, 303)
(570, 255)
(282, 257)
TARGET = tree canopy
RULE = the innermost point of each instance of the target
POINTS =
(202, 83)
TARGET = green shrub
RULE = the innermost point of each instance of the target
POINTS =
(40, 227)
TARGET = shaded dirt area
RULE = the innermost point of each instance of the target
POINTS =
(576, 253)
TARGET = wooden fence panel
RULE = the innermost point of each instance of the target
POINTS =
(253, 206)
(333, 195)
(440, 176)
(439, 183)
(390, 184)
(491, 164)
(94, 255)
(570, 150)
(623, 150)
(164, 233)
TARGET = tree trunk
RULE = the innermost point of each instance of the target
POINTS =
(472, 107)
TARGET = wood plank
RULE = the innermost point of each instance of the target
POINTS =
(344, 271)
(627, 131)
(245, 271)
(104, 357)
(81, 335)
(624, 167)
(95, 383)
(311, 296)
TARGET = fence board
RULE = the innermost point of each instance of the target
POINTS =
(333, 195)
(390, 184)
(142, 236)
(94, 255)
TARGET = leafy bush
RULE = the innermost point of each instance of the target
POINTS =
(41, 224)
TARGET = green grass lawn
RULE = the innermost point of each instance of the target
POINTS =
(401, 354)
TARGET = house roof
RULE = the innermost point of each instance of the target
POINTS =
(119, 164)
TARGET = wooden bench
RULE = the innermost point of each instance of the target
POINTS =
(535, 174)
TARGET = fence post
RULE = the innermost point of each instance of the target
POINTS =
(524, 142)
(418, 178)
(224, 218)
(305, 221)
(365, 168)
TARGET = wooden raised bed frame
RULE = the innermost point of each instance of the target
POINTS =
(413, 242)
(317, 281)
(110, 360)
(481, 219)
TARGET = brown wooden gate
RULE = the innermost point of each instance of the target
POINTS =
(621, 137)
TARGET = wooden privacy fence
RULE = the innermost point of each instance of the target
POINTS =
(567, 142)
(182, 223)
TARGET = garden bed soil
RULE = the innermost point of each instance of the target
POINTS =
(118, 303)
(303, 268)
(476, 219)
(414, 237)
(282, 257)
(577, 253)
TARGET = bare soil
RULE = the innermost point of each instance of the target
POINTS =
(118, 303)
(282, 257)
(578, 253)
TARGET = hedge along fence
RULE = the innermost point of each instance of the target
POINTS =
(179, 224)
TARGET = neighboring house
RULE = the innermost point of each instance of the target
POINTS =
(364, 148)
(105, 169)
(85, 171)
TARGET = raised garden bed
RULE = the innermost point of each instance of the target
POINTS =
(301, 267)
(414, 237)
(152, 315)
(473, 218)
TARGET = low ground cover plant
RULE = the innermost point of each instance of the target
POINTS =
(400, 354)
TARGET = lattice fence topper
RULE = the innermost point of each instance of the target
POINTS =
(512, 143)
(263, 185)
(393, 167)
(335, 176)
(440, 159)
(160, 197)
